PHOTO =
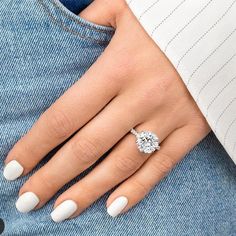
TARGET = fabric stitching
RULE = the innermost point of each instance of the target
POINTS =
(149, 8)
(210, 55)
(219, 93)
(234, 147)
(222, 113)
(228, 130)
(60, 24)
(130, 1)
(183, 28)
(76, 20)
(207, 32)
(168, 16)
(214, 75)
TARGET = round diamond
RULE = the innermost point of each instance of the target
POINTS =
(147, 142)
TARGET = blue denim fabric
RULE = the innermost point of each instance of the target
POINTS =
(44, 49)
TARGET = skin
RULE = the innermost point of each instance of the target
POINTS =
(132, 84)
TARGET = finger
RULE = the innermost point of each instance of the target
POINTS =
(98, 13)
(103, 13)
(69, 113)
(122, 162)
(134, 189)
(83, 150)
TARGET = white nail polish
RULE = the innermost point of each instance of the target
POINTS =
(13, 170)
(117, 206)
(64, 211)
(27, 202)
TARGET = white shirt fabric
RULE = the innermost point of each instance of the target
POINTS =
(199, 38)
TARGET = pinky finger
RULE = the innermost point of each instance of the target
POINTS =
(173, 150)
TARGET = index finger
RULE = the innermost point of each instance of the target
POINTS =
(69, 113)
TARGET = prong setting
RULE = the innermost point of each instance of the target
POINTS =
(147, 142)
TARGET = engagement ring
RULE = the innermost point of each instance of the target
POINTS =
(147, 141)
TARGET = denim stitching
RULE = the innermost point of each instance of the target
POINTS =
(59, 23)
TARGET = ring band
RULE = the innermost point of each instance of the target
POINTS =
(147, 141)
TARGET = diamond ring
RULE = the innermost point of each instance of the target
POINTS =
(147, 141)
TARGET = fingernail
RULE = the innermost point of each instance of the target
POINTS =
(117, 206)
(64, 211)
(13, 170)
(27, 202)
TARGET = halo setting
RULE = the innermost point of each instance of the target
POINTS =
(147, 142)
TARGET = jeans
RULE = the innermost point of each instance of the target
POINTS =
(45, 48)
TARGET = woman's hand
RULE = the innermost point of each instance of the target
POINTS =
(132, 84)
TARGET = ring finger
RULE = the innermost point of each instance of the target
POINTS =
(122, 162)
(89, 144)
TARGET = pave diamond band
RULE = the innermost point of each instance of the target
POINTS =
(147, 141)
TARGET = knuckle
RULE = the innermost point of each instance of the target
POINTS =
(58, 123)
(168, 79)
(22, 150)
(42, 184)
(127, 164)
(158, 89)
(152, 96)
(85, 150)
(90, 194)
(141, 187)
(163, 164)
(47, 183)
(199, 125)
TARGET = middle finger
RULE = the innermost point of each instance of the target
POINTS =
(124, 160)
(84, 149)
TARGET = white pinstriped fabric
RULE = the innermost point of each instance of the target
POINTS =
(199, 38)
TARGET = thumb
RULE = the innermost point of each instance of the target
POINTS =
(104, 12)
(98, 12)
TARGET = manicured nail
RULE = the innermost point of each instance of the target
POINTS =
(117, 206)
(13, 170)
(27, 202)
(64, 211)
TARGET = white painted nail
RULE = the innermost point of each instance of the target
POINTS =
(117, 206)
(64, 211)
(27, 202)
(13, 170)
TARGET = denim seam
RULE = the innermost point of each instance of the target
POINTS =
(63, 26)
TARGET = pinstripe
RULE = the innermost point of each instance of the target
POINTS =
(130, 1)
(148, 9)
(219, 93)
(228, 129)
(206, 33)
(186, 25)
(168, 16)
(234, 148)
(214, 75)
(176, 33)
(210, 55)
(222, 113)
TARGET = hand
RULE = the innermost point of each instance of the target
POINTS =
(132, 84)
